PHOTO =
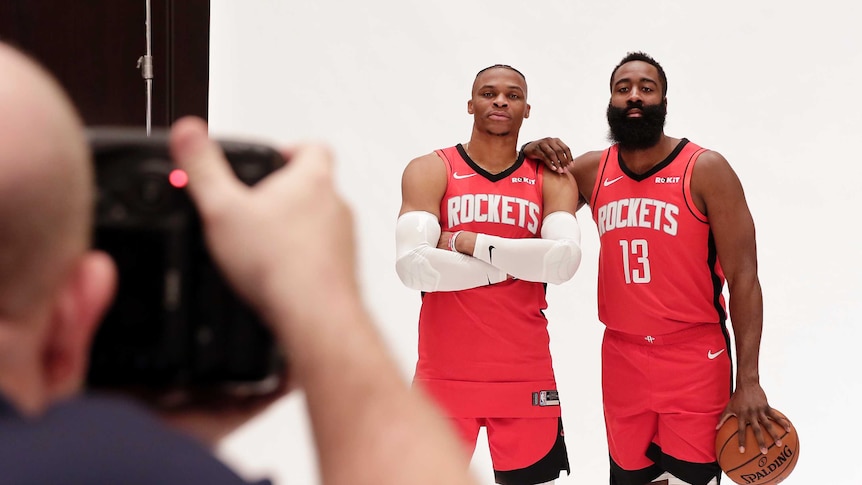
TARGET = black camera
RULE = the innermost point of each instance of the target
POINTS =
(175, 328)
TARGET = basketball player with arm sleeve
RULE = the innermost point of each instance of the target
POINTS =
(481, 232)
(674, 226)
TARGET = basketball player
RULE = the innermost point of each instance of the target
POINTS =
(481, 231)
(674, 225)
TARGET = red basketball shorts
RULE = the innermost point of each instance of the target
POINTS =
(522, 420)
(669, 390)
(525, 445)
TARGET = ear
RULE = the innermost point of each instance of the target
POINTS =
(527, 112)
(81, 302)
(470, 107)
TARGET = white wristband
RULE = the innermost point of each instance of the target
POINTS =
(452, 239)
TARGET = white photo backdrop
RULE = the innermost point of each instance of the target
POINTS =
(771, 85)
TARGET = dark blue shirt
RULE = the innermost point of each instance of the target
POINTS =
(102, 440)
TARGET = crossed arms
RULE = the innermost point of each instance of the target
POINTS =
(426, 262)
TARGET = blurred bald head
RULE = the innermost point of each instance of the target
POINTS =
(46, 184)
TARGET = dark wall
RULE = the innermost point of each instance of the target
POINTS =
(93, 46)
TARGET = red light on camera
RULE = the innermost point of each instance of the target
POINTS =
(178, 178)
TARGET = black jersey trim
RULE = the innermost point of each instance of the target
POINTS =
(549, 468)
(493, 177)
(717, 286)
(638, 177)
(686, 188)
(689, 472)
(603, 165)
(621, 476)
(729, 357)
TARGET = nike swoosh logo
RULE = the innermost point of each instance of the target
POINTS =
(459, 177)
(490, 253)
(609, 182)
(711, 355)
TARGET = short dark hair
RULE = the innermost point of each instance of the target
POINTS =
(641, 56)
(504, 66)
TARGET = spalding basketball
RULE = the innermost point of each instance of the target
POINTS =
(753, 467)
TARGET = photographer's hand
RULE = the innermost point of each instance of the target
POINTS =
(283, 239)
(286, 244)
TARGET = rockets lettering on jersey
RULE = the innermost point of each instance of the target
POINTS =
(638, 212)
(506, 204)
(496, 208)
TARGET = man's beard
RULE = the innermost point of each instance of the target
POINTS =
(636, 133)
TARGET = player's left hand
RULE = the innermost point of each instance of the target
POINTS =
(748, 403)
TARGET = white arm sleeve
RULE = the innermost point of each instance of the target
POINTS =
(422, 266)
(552, 259)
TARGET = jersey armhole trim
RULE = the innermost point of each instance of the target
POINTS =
(686, 188)
(603, 164)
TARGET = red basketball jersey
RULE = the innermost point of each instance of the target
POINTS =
(658, 267)
(484, 351)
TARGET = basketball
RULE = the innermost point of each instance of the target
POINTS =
(752, 467)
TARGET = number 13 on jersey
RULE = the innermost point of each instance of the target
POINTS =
(635, 260)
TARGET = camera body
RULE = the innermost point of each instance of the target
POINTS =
(175, 328)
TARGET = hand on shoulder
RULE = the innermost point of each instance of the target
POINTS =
(555, 154)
